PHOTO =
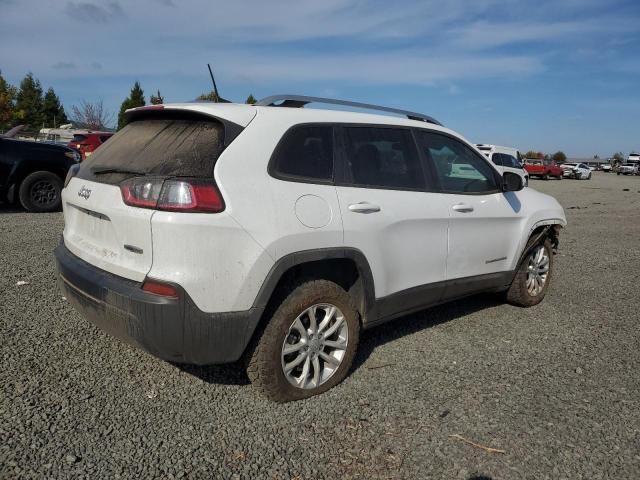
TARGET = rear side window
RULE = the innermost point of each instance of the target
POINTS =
(166, 147)
(382, 157)
(306, 153)
(497, 158)
(77, 138)
(459, 169)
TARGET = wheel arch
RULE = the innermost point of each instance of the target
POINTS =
(348, 267)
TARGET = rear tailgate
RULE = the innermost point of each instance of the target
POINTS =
(100, 227)
(103, 231)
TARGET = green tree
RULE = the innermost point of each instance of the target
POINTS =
(53, 111)
(7, 104)
(531, 154)
(210, 96)
(135, 99)
(250, 99)
(559, 157)
(156, 99)
(29, 104)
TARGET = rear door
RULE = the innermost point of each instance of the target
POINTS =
(99, 227)
(483, 221)
(389, 215)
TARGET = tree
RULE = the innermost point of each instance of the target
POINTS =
(559, 157)
(596, 157)
(618, 158)
(156, 99)
(53, 111)
(135, 99)
(29, 105)
(91, 115)
(211, 97)
(250, 99)
(531, 154)
(7, 103)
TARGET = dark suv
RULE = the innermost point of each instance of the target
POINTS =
(33, 173)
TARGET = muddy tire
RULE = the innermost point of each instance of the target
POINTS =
(40, 192)
(532, 279)
(308, 345)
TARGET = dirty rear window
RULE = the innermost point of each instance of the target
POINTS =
(166, 147)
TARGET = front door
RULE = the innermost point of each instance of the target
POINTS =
(483, 221)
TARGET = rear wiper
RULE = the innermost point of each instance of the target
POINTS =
(105, 170)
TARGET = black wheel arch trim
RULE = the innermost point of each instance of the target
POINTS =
(291, 260)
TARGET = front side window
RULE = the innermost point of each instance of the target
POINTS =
(306, 153)
(510, 161)
(382, 157)
(496, 158)
(458, 168)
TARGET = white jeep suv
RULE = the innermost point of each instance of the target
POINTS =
(206, 232)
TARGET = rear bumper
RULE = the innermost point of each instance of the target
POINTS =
(171, 329)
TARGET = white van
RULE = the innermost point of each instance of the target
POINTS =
(507, 159)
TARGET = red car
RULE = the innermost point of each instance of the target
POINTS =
(87, 143)
(542, 169)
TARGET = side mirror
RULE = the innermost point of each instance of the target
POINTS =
(512, 182)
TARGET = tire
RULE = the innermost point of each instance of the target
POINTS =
(589, 177)
(545, 177)
(618, 173)
(267, 359)
(40, 192)
(559, 177)
(519, 294)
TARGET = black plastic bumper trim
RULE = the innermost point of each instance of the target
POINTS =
(171, 329)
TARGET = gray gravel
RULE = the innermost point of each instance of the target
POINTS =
(557, 387)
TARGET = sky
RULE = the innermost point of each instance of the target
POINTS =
(543, 75)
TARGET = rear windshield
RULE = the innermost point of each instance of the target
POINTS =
(166, 147)
(79, 138)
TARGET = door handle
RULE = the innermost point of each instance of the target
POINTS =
(364, 207)
(462, 208)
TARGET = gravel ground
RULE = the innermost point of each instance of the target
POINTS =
(555, 386)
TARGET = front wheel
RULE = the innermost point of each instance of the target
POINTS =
(545, 177)
(40, 192)
(529, 286)
(308, 345)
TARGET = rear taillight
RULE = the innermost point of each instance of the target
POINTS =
(173, 195)
(160, 288)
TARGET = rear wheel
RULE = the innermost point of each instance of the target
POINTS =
(530, 284)
(40, 192)
(545, 176)
(308, 345)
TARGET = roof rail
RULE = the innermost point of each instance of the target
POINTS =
(297, 101)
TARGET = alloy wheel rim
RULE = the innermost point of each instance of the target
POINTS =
(314, 346)
(44, 193)
(537, 270)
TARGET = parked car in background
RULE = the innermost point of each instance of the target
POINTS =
(578, 171)
(507, 159)
(87, 143)
(628, 169)
(32, 173)
(543, 169)
(633, 158)
(606, 167)
(165, 246)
